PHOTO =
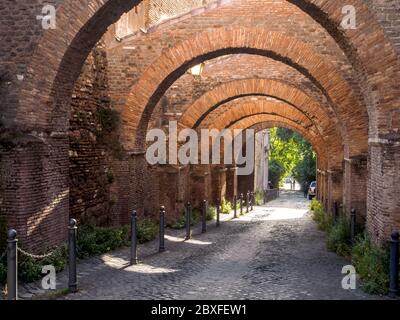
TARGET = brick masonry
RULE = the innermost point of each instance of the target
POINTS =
(350, 78)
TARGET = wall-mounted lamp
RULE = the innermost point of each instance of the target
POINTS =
(197, 70)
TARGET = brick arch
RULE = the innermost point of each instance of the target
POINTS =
(51, 54)
(175, 61)
(210, 101)
(279, 121)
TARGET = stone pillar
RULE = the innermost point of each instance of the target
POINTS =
(261, 161)
(383, 201)
(355, 186)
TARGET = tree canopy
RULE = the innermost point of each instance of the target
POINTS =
(290, 155)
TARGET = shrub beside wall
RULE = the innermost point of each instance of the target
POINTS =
(371, 262)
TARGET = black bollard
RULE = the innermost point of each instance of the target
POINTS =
(188, 210)
(134, 258)
(204, 217)
(247, 201)
(73, 279)
(265, 197)
(241, 203)
(162, 227)
(394, 265)
(235, 206)
(353, 224)
(12, 265)
(251, 201)
(218, 212)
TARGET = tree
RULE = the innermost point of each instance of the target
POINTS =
(291, 154)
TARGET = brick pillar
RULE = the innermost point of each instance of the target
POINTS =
(199, 186)
(34, 189)
(335, 188)
(355, 186)
(218, 183)
(231, 183)
(172, 190)
(383, 213)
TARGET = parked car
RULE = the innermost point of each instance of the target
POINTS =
(312, 190)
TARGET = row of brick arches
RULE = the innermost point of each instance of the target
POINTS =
(266, 63)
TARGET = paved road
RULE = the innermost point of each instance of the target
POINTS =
(274, 252)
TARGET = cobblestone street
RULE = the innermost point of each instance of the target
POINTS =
(274, 252)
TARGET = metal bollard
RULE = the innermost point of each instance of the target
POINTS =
(134, 258)
(162, 226)
(218, 212)
(73, 281)
(204, 217)
(247, 201)
(251, 201)
(394, 265)
(353, 224)
(335, 211)
(235, 206)
(188, 210)
(12, 265)
(241, 203)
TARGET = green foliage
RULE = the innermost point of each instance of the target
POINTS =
(147, 230)
(290, 155)
(276, 172)
(94, 240)
(372, 265)
(181, 222)
(338, 239)
(259, 198)
(370, 261)
(226, 207)
(30, 269)
(323, 220)
(211, 213)
(91, 240)
(109, 118)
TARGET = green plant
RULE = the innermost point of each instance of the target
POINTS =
(30, 269)
(147, 230)
(181, 222)
(109, 118)
(323, 220)
(259, 198)
(226, 207)
(338, 239)
(372, 264)
(94, 240)
(211, 213)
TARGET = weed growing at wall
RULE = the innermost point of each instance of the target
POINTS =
(226, 207)
(211, 213)
(147, 230)
(370, 261)
(91, 240)
(372, 264)
(181, 222)
(258, 198)
(338, 237)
